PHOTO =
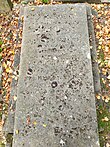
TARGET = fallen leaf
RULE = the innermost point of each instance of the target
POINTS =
(35, 123)
(98, 97)
(107, 145)
(108, 77)
(17, 131)
(9, 70)
(105, 119)
(15, 98)
(109, 63)
(44, 125)
(32, 9)
(28, 120)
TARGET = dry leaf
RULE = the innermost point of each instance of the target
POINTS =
(108, 77)
(98, 97)
(32, 9)
(44, 125)
(17, 131)
(15, 98)
(107, 145)
(105, 119)
(35, 123)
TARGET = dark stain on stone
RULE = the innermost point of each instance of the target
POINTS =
(39, 45)
(43, 36)
(60, 107)
(54, 84)
(61, 47)
(35, 115)
(57, 130)
(54, 49)
(58, 31)
(70, 86)
(42, 40)
(29, 71)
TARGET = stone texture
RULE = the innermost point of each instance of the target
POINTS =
(56, 103)
(27, 1)
(81, 1)
(5, 6)
(105, 1)
(9, 123)
(95, 70)
(8, 128)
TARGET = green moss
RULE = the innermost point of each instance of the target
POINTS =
(101, 56)
(2, 145)
(0, 57)
(24, 2)
(9, 138)
(0, 49)
(45, 1)
(1, 42)
(104, 126)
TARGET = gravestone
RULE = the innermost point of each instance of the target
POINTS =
(5, 6)
(55, 97)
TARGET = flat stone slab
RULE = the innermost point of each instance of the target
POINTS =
(55, 100)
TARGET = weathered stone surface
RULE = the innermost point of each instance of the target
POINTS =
(105, 1)
(5, 6)
(27, 0)
(9, 123)
(81, 1)
(95, 70)
(56, 103)
(8, 127)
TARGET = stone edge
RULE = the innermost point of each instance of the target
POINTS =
(8, 127)
(95, 69)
